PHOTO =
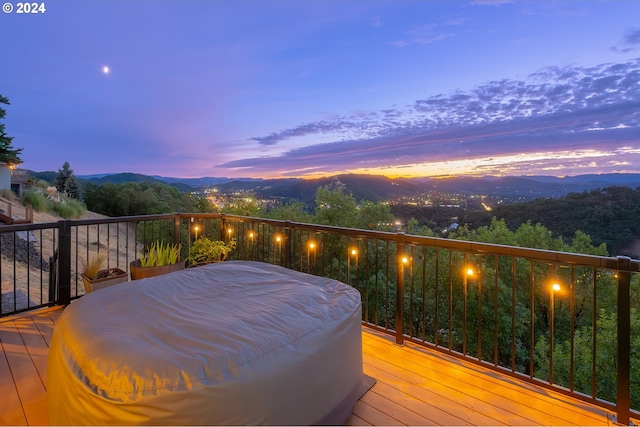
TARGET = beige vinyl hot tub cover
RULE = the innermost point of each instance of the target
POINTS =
(232, 343)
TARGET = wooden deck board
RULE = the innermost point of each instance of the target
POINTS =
(437, 410)
(30, 388)
(429, 386)
(11, 412)
(35, 344)
(355, 420)
(374, 416)
(502, 398)
(453, 387)
(415, 385)
(45, 324)
(395, 410)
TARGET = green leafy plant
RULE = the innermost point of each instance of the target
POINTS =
(160, 254)
(92, 266)
(205, 250)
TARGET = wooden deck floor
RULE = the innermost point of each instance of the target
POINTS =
(415, 386)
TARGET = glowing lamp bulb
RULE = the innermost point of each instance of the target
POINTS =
(354, 252)
(405, 260)
(555, 287)
(312, 245)
(469, 271)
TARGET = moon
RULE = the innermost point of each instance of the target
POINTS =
(106, 70)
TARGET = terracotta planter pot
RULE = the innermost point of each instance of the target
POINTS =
(111, 276)
(139, 272)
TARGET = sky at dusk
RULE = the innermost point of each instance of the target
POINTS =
(305, 88)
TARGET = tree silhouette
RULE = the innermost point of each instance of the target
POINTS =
(8, 154)
(65, 181)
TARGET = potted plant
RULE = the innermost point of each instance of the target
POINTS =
(160, 259)
(205, 251)
(95, 277)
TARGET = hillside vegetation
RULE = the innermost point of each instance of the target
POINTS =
(140, 198)
(609, 215)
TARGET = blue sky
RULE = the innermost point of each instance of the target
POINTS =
(304, 88)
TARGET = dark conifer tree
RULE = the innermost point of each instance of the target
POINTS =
(65, 182)
(8, 154)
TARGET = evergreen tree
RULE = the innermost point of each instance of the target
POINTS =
(8, 154)
(65, 182)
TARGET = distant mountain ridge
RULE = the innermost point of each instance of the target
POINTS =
(378, 187)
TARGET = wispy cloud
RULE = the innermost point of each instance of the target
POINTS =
(490, 2)
(428, 33)
(340, 125)
(556, 110)
(376, 22)
(630, 41)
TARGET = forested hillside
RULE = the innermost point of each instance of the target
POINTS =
(610, 215)
(140, 198)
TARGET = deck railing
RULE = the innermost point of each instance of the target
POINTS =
(560, 320)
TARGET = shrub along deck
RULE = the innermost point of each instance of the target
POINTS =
(415, 386)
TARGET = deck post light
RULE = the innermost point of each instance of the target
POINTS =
(469, 272)
(279, 242)
(555, 287)
(353, 253)
(252, 236)
(402, 262)
(311, 248)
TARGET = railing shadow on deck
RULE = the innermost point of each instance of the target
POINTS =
(556, 319)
